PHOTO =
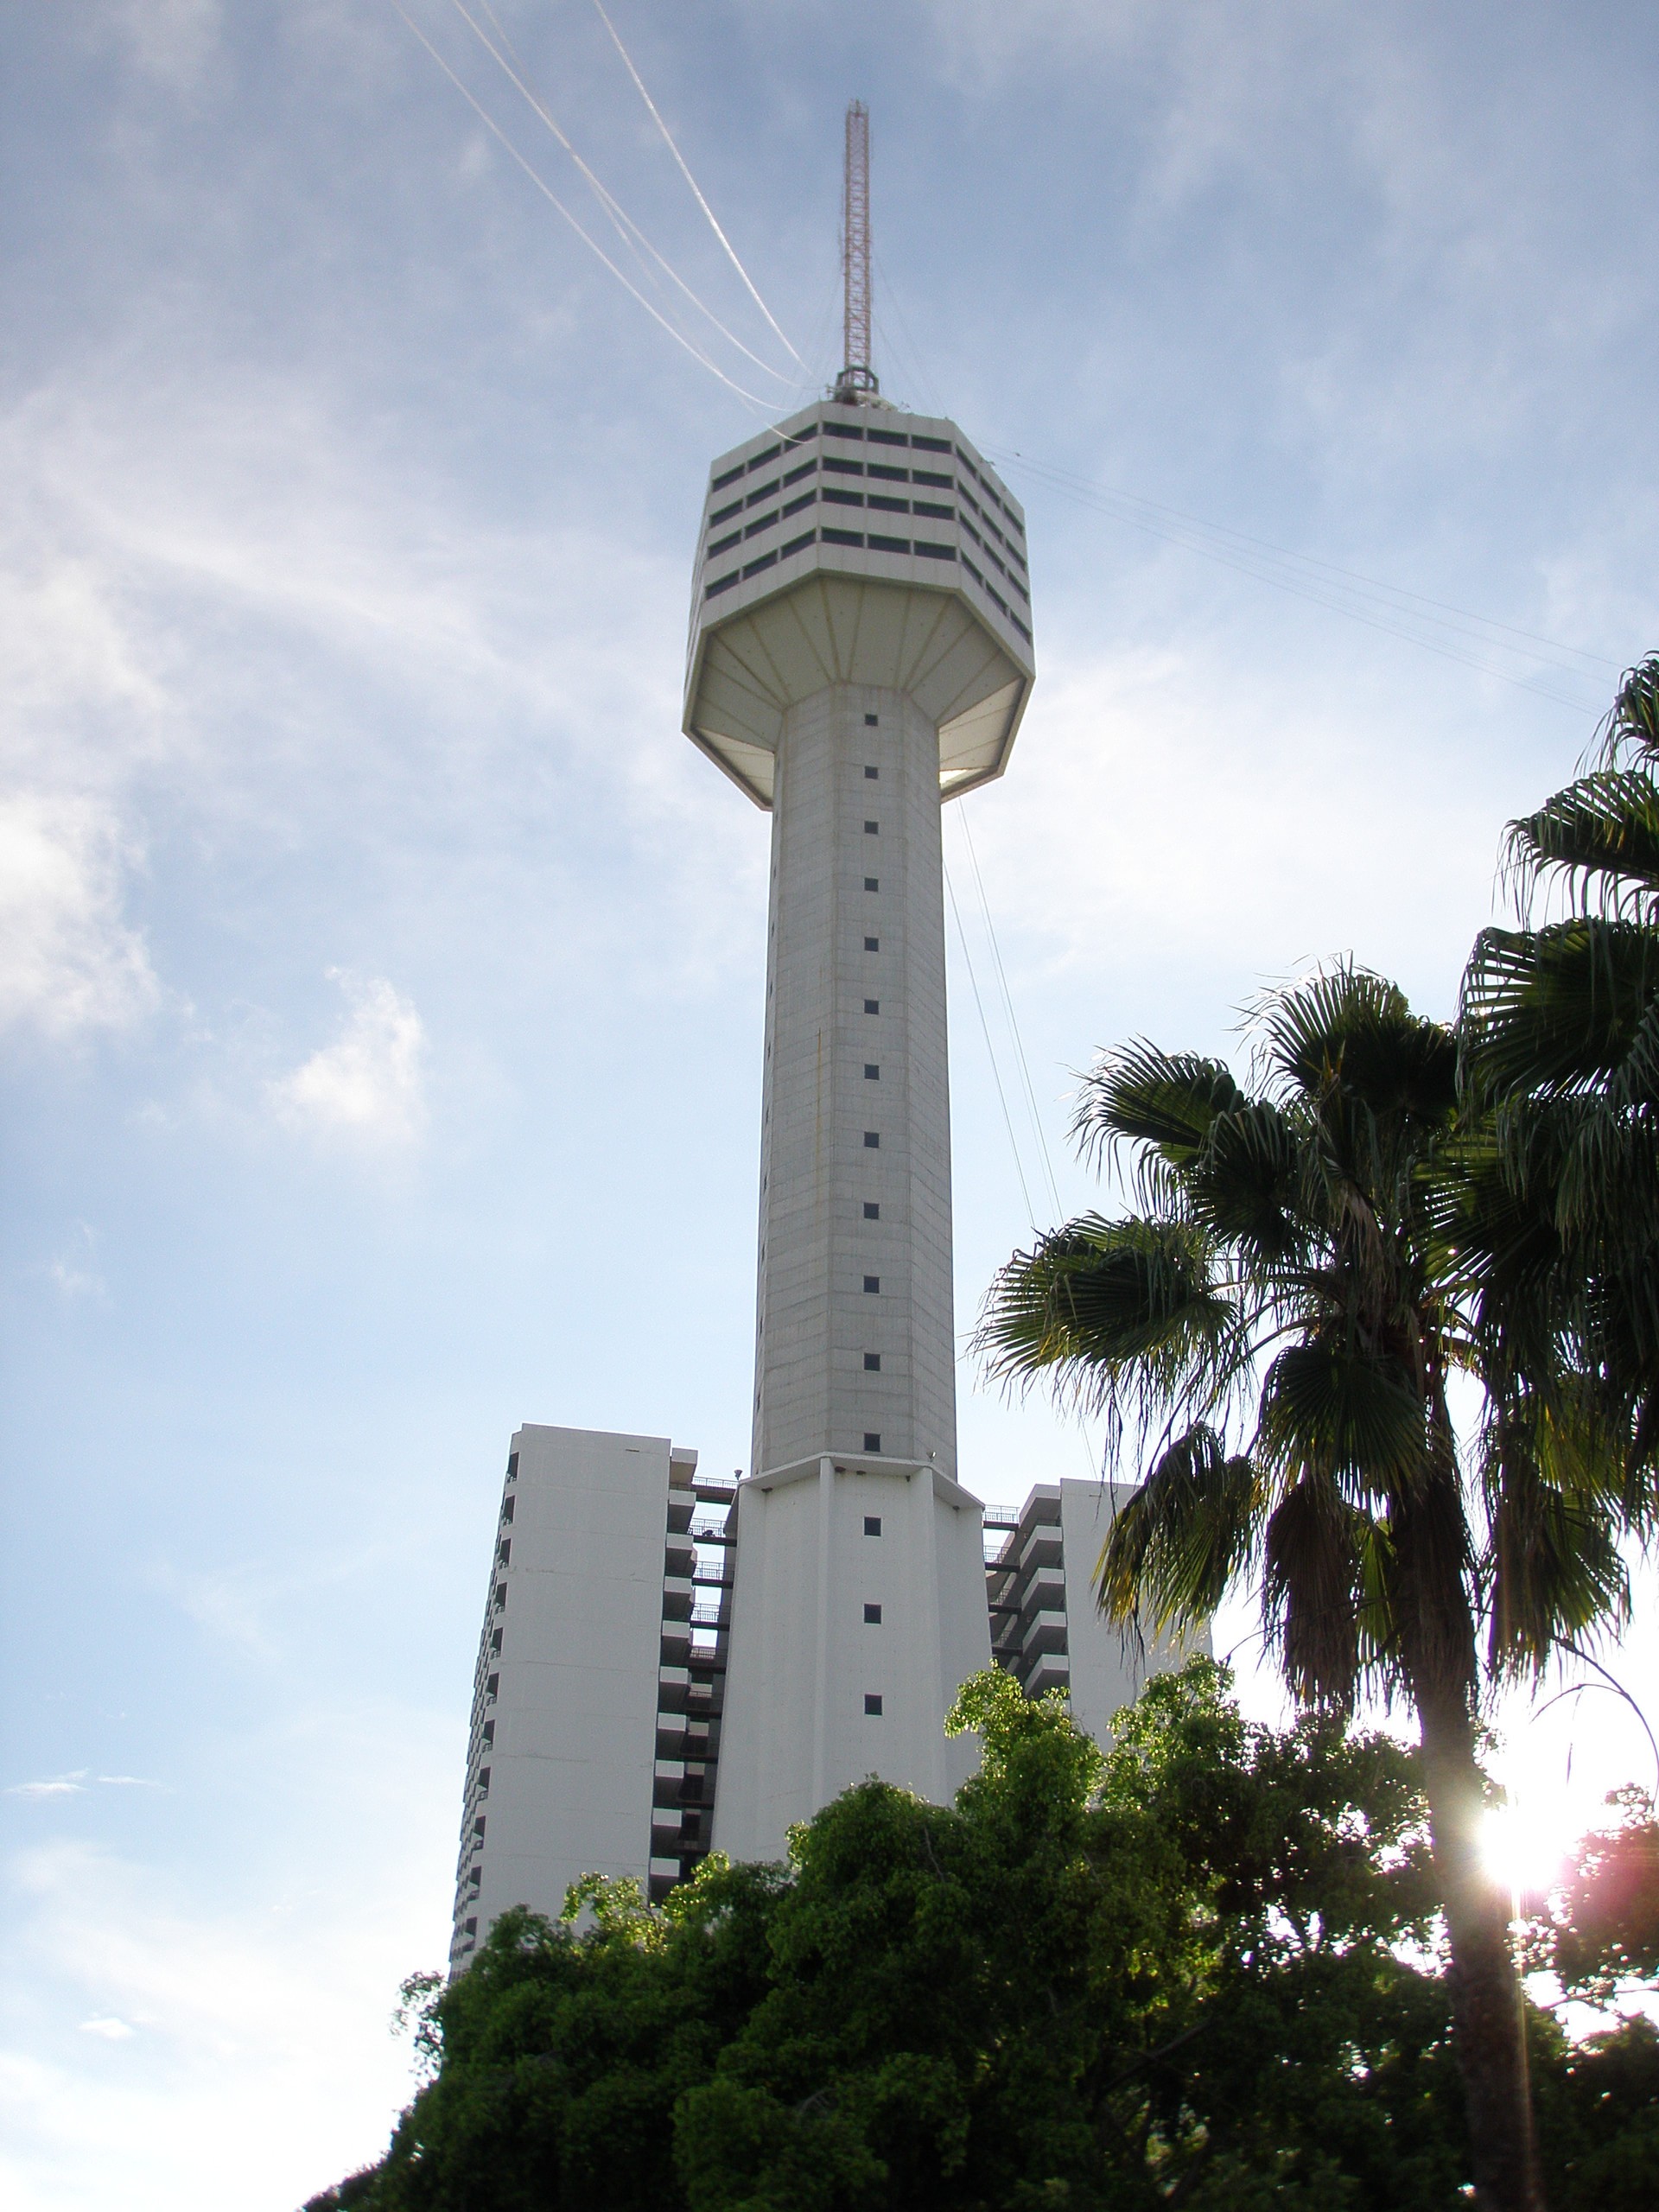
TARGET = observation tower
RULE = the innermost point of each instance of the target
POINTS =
(860, 653)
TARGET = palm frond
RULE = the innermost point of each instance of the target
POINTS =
(1185, 1535)
(1557, 1010)
(1312, 1592)
(1631, 728)
(1429, 1581)
(1145, 1096)
(1130, 1316)
(1248, 1183)
(1350, 1416)
(1553, 1565)
(1599, 838)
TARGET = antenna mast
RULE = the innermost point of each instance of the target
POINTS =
(856, 384)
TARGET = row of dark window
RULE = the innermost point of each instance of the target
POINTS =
(840, 497)
(996, 598)
(855, 433)
(875, 544)
(769, 454)
(1001, 567)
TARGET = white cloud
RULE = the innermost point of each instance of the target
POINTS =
(62, 1785)
(170, 41)
(369, 1084)
(73, 1272)
(68, 962)
(152, 2028)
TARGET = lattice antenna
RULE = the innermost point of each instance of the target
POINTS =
(857, 381)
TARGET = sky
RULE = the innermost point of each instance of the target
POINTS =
(383, 969)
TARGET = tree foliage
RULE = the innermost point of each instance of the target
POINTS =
(1195, 1969)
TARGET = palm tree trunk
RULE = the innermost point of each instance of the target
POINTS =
(1487, 2027)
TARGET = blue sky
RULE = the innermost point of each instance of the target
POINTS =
(383, 971)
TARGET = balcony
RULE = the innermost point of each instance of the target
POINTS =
(1051, 1672)
(1045, 1631)
(1042, 1547)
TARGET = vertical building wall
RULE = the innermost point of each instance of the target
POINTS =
(860, 1602)
(854, 1348)
(863, 1609)
(589, 1628)
(1046, 1629)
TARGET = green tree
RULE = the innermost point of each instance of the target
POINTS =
(1166, 1973)
(1282, 1312)
(1599, 1934)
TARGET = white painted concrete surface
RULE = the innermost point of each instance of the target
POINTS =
(564, 1714)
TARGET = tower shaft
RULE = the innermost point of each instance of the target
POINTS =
(854, 1344)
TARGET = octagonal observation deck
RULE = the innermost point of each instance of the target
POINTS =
(859, 545)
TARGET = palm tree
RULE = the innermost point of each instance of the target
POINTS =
(1279, 1317)
(1561, 1041)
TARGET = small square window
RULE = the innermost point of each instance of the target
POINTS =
(872, 1074)
(872, 944)
(872, 1282)
(872, 828)
(872, 883)
(873, 1615)
(872, 1363)
(872, 1439)
(872, 721)
(872, 1006)
(872, 1524)
(873, 1701)
(872, 1211)
(872, 1139)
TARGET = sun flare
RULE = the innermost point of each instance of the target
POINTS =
(1523, 1847)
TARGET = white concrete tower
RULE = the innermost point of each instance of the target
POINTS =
(860, 652)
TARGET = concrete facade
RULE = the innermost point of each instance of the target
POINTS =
(855, 659)
(1046, 1629)
(853, 1262)
(590, 1750)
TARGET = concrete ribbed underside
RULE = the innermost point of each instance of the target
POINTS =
(831, 630)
